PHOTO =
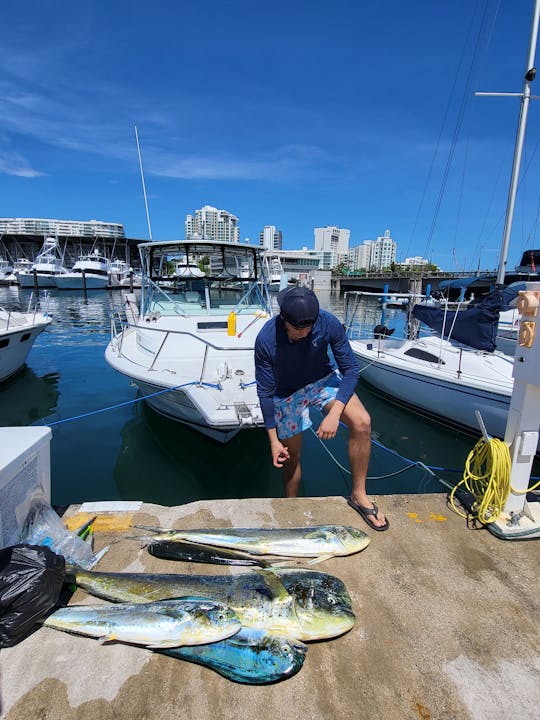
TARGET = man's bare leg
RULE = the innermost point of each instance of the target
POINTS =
(292, 470)
(357, 419)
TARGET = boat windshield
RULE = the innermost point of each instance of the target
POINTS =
(203, 278)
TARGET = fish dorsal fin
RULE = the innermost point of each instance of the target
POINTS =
(278, 589)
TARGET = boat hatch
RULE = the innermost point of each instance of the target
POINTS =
(423, 355)
(209, 325)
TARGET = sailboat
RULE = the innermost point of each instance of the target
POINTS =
(456, 372)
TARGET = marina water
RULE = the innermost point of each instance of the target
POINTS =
(129, 452)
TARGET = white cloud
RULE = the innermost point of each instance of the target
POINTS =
(15, 164)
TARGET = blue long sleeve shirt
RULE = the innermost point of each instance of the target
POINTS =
(282, 366)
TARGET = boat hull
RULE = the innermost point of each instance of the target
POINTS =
(176, 405)
(15, 346)
(31, 280)
(197, 406)
(76, 282)
(452, 400)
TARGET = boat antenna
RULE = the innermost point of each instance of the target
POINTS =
(525, 95)
(143, 184)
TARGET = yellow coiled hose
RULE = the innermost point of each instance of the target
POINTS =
(487, 478)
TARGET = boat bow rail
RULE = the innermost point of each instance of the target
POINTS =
(120, 328)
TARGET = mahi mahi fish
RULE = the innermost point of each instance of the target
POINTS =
(162, 624)
(317, 541)
(303, 604)
(253, 657)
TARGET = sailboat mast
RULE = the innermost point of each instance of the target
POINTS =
(143, 184)
(530, 73)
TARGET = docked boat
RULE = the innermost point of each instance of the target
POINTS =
(90, 272)
(189, 342)
(440, 378)
(120, 273)
(458, 371)
(7, 274)
(18, 332)
(46, 267)
(21, 265)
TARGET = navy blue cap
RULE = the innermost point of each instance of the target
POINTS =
(299, 306)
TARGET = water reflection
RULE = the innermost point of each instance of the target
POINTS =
(168, 463)
(132, 452)
(27, 398)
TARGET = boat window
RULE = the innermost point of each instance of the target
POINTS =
(25, 337)
(4, 342)
(423, 355)
(217, 325)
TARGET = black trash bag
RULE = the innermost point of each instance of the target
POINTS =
(31, 578)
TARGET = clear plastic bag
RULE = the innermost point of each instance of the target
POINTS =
(43, 526)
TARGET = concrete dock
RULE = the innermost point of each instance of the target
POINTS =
(447, 628)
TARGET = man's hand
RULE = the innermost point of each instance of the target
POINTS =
(330, 423)
(280, 454)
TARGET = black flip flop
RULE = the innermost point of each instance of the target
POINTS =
(366, 513)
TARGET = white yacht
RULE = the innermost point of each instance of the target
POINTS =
(21, 265)
(7, 274)
(18, 331)
(90, 272)
(189, 343)
(119, 273)
(45, 268)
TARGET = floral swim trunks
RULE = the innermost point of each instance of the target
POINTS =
(292, 412)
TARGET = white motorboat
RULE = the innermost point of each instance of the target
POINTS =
(452, 375)
(45, 268)
(189, 343)
(120, 273)
(21, 265)
(18, 331)
(90, 272)
(7, 274)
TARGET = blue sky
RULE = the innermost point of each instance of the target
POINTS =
(295, 114)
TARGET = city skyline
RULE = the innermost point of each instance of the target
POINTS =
(294, 116)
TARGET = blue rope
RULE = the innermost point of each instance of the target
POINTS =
(245, 385)
(129, 402)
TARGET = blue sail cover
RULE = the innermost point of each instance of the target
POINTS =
(475, 327)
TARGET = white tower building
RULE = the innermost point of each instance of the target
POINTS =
(373, 254)
(214, 224)
(270, 238)
(334, 240)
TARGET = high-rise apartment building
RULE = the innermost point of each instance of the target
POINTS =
(270, 238)
(334, 240)
(373, 254)
(61, 228)
(209, 222)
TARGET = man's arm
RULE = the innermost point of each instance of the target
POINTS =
(346, 362)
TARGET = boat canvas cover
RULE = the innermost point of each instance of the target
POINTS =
(475, 327)
(464, 282)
